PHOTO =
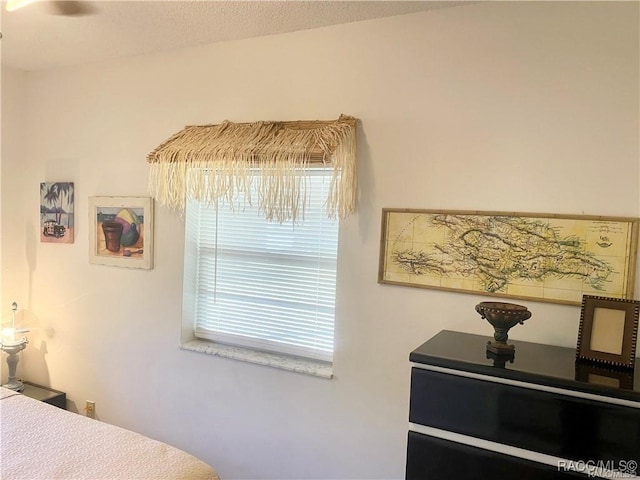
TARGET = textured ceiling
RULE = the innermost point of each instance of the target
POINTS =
(35, 39)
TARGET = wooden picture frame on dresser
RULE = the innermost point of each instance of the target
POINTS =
(608, 331)
(599, 374)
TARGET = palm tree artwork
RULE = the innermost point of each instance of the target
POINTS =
(56, 212)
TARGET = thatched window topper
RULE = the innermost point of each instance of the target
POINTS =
(218, 163)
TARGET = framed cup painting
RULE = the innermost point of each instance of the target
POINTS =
(121, 231)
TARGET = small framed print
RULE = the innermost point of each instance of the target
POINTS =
(608, 331)
(56, 212)
(121, 231)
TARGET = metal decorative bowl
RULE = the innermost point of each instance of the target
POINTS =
(502, 316)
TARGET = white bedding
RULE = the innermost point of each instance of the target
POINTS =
(40, 441)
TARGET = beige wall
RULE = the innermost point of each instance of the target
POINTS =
(496, 106)
(13, 266)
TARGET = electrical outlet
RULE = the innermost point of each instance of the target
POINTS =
(90, 409)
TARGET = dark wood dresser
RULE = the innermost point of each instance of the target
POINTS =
(539, 417)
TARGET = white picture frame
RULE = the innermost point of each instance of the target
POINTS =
(121, 231)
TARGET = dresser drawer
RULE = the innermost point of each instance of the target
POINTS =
(554, 424)
(433, 458)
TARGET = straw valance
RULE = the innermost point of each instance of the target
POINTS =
(221, 163)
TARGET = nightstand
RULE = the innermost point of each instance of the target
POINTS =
(45, 394)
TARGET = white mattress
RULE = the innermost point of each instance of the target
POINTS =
(40, 441)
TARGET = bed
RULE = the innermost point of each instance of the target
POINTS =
(40, 441)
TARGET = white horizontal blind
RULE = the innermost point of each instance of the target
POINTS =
(266, 285)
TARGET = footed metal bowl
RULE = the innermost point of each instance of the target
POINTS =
(502, 316)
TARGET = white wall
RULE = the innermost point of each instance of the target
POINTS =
(497, 106)
(12, 162)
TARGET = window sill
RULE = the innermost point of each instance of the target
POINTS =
(276, 360)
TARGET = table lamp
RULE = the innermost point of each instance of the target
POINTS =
(12, 343)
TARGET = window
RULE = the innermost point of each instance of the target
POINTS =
(263, 285)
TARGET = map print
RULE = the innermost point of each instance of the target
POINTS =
(554, 258)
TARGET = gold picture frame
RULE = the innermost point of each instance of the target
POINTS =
(608, 331)
(532, 256)
(121, 231)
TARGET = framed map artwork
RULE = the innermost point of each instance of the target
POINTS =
(544, 257)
